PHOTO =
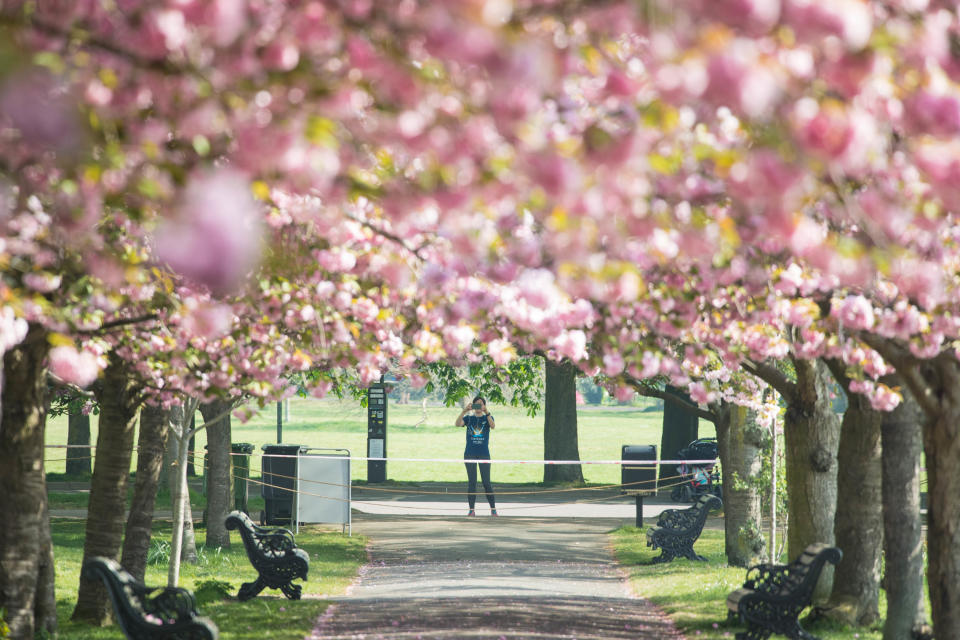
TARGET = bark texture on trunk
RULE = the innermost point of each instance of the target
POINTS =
(119, 399)
(22, 486)
(935, 385)
(902, 443)
(45, 612)
(858, 525)
(560, 423)
(680, 428)
(811, 439)
(80, 455)
(740, 444)
(219, 471)
(941, 442)
(151, 444)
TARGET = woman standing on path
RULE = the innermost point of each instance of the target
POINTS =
(478, 422)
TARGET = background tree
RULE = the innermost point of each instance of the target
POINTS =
(858, 523)
(560, 440)
(902, 443)
(119, 397)
(219, 469)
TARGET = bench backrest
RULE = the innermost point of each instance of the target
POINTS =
(262, 545)
(148, 612)
(801, 576)
(692, 518)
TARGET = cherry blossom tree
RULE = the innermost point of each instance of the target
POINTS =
(595, 180)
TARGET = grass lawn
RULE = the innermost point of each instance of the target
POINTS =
(413, 433)
(694, 594)
(334, 561)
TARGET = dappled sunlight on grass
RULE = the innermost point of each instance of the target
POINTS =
(694, 594)
(334, 561)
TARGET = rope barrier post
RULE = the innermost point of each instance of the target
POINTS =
(279, 422)
(241, 473)
(639, 498)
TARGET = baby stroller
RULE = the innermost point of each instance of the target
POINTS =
(700, 478)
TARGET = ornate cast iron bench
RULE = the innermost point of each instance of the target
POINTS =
(150, 613)
(275, 556)
(773, 596)
(678, 529)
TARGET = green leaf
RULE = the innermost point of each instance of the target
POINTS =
(201, 145)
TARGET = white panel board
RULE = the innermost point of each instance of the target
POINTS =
(323, 487)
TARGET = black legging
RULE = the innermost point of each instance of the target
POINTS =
(472, 483)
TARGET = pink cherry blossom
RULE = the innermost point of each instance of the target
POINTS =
(215, 240)
(75, 366)
(855, 312)
(501, 351)
(571, 344)
(42, 282)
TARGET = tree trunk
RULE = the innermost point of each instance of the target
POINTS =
(119, 400)
(79, 454)
(45, 610)
(560, 423)
(179, 502)
(182, 542)
(192, 453)
(216, 418)
(739, 444)
(178, 446)
(811, 439)
(680, 428)
(902, 444)
(941, 442)
(150, 447)
(858, 524)
(22, 487)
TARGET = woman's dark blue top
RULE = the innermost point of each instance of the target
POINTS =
(478, 437)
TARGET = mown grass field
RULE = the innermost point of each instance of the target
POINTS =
(417, 433)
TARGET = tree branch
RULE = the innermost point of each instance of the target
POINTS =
(651, 392)
(772, 376)
(84, 393)
(839, 372)
(47, 28)
(386, 234)
(907, 366)
(120, 322)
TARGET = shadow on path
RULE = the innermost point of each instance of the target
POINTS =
(509, 618)
(497, 578)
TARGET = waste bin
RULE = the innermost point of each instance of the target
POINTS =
(279, 478)
(638, 479)
(635, 477)
(241, 473)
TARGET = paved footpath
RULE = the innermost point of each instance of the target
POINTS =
(506, 578)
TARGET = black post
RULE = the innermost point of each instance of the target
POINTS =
(639, 511)
(377, 432)
(279, 422)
